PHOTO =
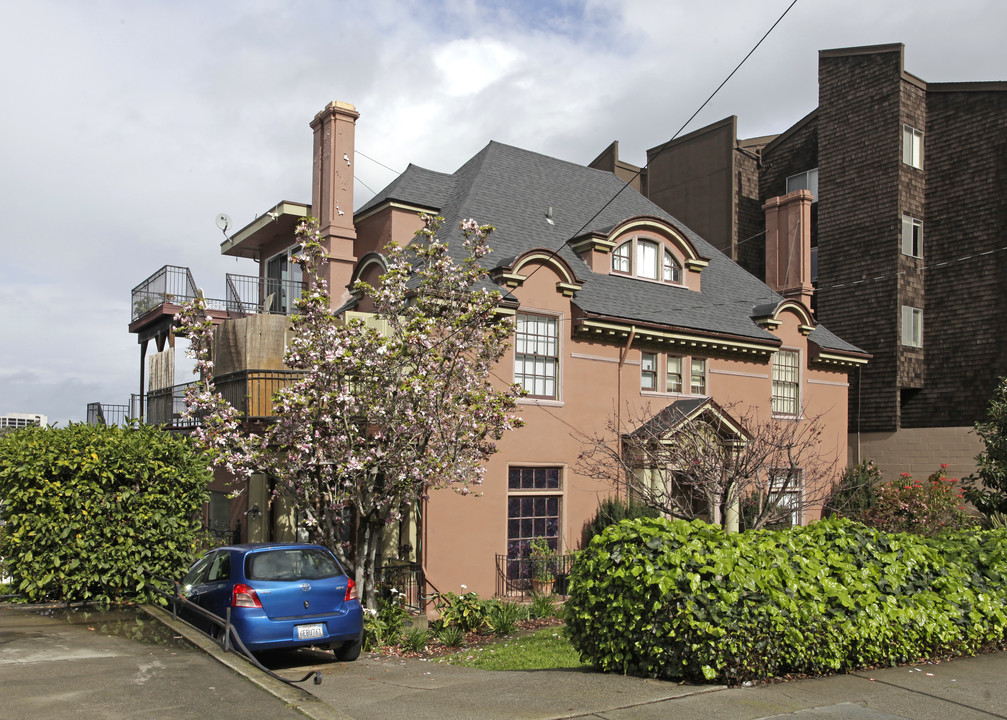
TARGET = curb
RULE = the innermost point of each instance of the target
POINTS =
(295, 697)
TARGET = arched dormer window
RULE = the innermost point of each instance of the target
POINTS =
(647, 259)
(672, 269)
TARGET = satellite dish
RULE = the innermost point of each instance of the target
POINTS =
(224, 221)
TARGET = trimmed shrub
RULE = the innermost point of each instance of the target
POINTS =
(610, 511)
(89, 508)
(679, 600)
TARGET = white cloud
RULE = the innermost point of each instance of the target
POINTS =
(129, 126)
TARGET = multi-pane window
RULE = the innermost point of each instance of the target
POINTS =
(912, 236)
(804, 181)
(786, 383)
(536, 361)
(672, 379)
(912, 146)
(648, 371)
(785, 496)
(533, 512)
(647, 259)
(621, 261)
(912, 326)
(673, 376)
(672, 270)
(697, 386)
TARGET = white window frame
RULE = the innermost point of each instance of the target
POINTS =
(650, 365)
(794, 493)
(807, 180)
(912, 147)
(679, 361)
(912, 326)
(786, 397)
(912, 236)
(648, 259)
(702, 385)
(537, 356)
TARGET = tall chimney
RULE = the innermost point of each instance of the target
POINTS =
(788, 245)
(332, 191)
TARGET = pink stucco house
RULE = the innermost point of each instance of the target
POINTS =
(617, 307)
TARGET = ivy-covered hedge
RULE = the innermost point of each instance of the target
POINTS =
(88, 508)
(679, 600)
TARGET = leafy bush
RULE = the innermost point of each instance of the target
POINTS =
(383, 625)
(681, 600)
(987, 488)
(922, 508)
(466, 612)
(542, 606)
(415, 639)
(88, 508)
(856, 493)
(451, 635)
(613, 510)
(503, 617)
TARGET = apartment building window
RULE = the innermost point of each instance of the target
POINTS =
(672, 270)
(648, 371)
(912, 236)
(787, 383)
(536, 361)
(785, 493)
(698, 384)
(647, 259)
(807, 180)
(673, 376)
(533, 510)
(912, 146)
(912, 326)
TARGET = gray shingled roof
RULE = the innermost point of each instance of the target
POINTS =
(513, 189)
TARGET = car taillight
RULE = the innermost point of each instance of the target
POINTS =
(351, 591)
(244, 596)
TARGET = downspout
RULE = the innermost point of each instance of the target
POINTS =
(623, 353)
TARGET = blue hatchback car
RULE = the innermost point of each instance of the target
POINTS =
(281, 595)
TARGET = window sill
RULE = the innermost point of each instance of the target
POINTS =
(544, 402)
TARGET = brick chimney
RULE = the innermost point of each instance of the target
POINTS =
(788, 245)
(332, 191)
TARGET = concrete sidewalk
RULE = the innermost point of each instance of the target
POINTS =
(50, 668)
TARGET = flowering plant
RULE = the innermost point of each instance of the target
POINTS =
(386, 409)
(922, 508)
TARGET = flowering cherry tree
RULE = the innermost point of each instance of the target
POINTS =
(385, 411)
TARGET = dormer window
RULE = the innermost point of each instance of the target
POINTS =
(647, 259)
(672, 270)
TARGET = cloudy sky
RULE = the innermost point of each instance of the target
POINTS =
(126, 127)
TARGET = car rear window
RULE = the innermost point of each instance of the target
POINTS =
(291, 564)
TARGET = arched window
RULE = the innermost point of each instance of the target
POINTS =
(621, 257)
(672, 270)
(647, 259)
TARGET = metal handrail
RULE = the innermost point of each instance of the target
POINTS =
(224, 623)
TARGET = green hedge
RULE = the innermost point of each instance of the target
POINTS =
(88, 508)
(681, 600)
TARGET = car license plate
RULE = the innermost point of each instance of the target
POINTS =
(307, 632)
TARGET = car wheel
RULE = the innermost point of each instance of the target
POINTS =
(349, 651)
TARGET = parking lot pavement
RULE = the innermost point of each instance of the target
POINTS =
(100, 665)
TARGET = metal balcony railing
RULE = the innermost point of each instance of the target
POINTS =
(251, 391)
(250, 295)
(171, 284)
(106, 414)
(248, 391)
